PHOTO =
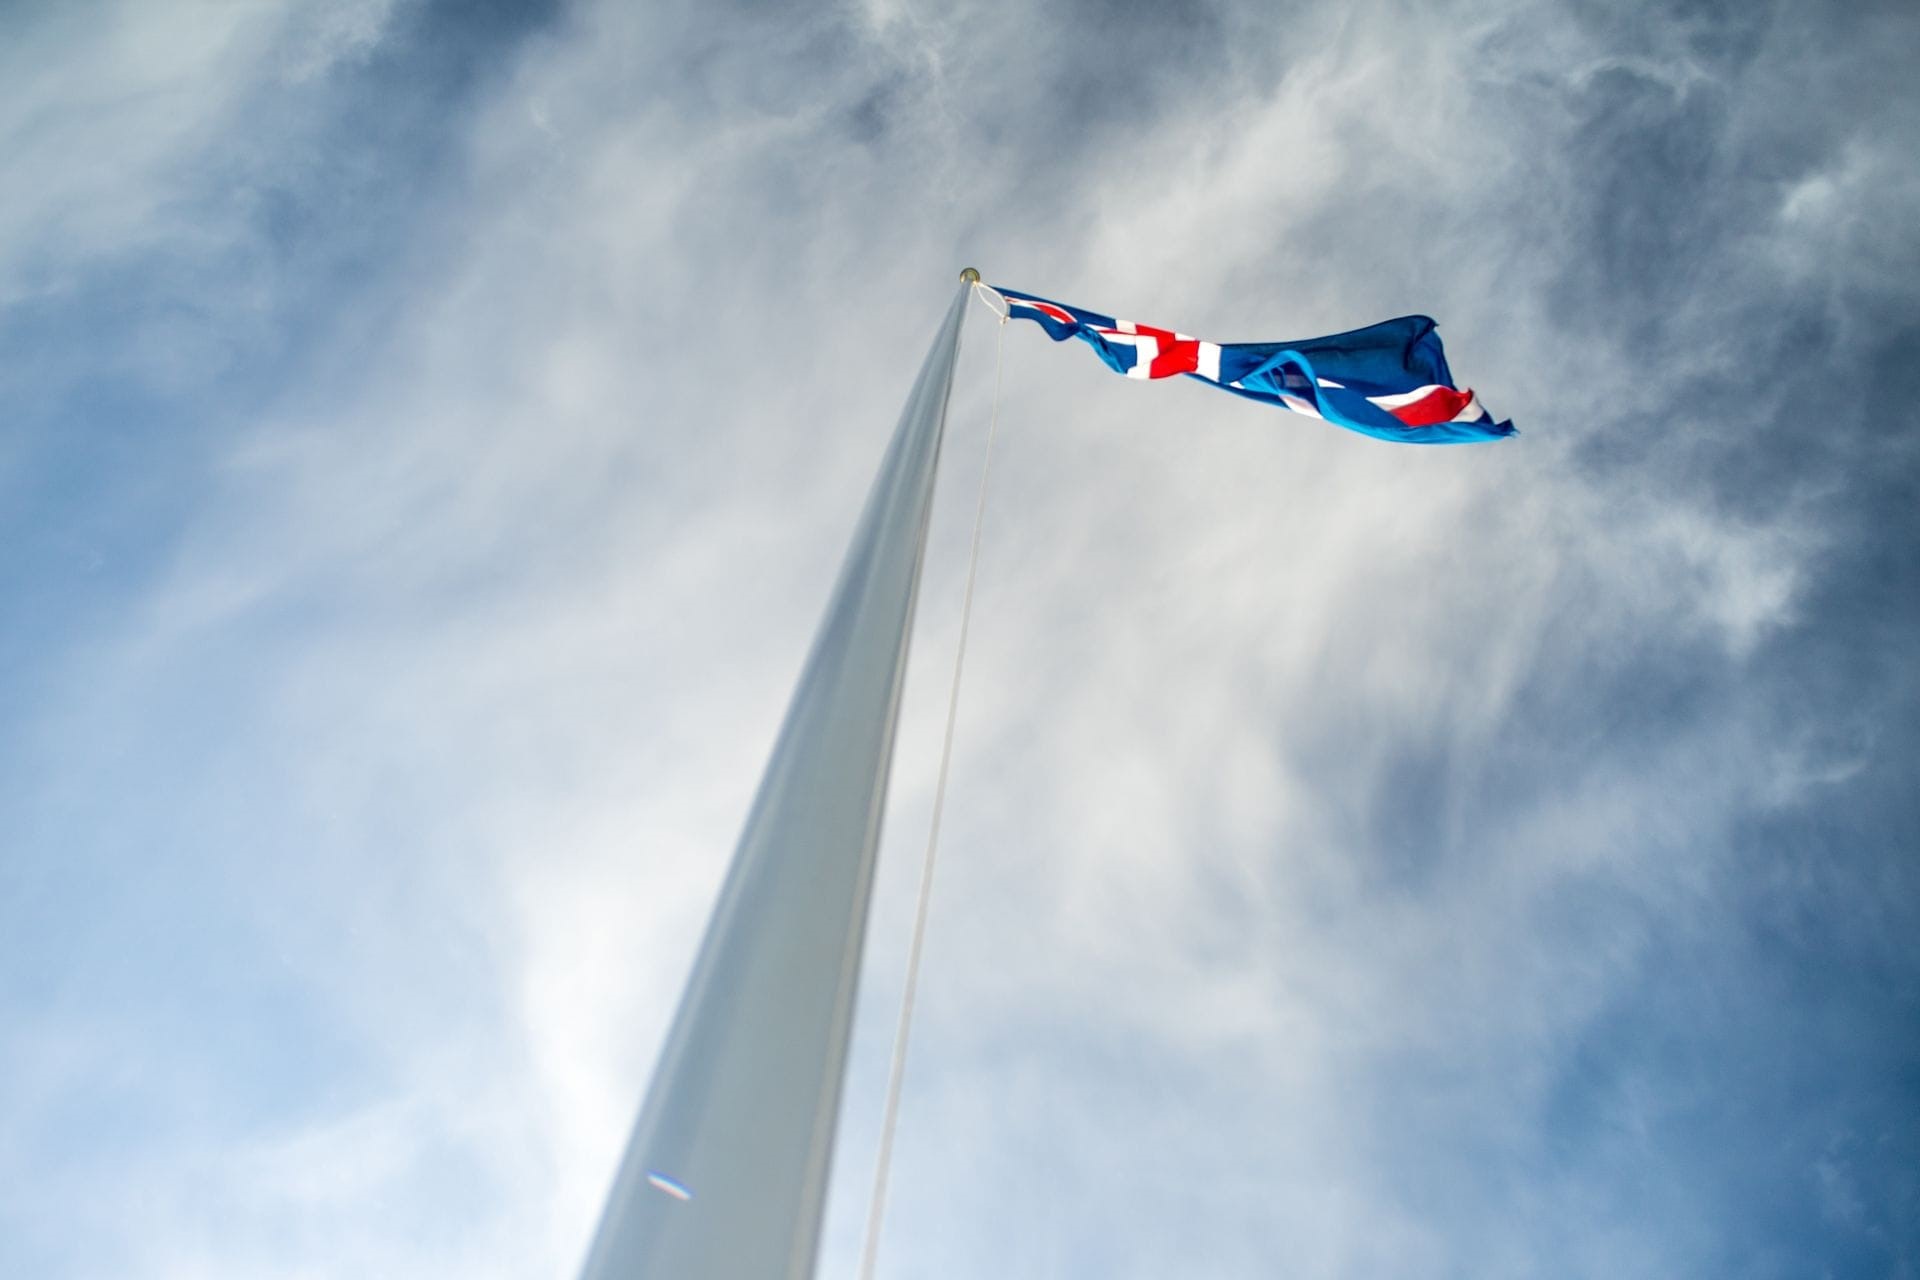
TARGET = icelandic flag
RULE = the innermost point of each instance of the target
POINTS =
(1389, 380)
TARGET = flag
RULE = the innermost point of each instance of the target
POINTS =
(1389, 380)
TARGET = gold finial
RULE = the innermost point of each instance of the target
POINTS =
(969, 276)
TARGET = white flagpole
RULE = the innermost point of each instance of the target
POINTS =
(725, 1175)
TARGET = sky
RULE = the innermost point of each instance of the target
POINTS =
(428, 433)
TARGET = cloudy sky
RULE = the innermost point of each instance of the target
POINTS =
(428, 432)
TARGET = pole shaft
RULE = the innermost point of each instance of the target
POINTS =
(726, 1172)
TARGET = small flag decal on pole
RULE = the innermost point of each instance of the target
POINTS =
(1389, 380)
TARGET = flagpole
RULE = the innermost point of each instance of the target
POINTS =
(725, 1174)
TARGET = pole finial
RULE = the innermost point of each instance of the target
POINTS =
(969, 276)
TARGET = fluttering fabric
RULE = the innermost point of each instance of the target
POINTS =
(1389, 380)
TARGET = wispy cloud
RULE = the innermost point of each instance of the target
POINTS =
(1360, 861)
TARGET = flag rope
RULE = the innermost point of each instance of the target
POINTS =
(896, 1072)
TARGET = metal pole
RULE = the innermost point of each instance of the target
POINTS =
(725, 1176)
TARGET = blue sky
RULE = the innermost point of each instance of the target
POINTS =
(427, 435)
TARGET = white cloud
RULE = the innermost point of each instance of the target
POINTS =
(111, 119)
(487, 632)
